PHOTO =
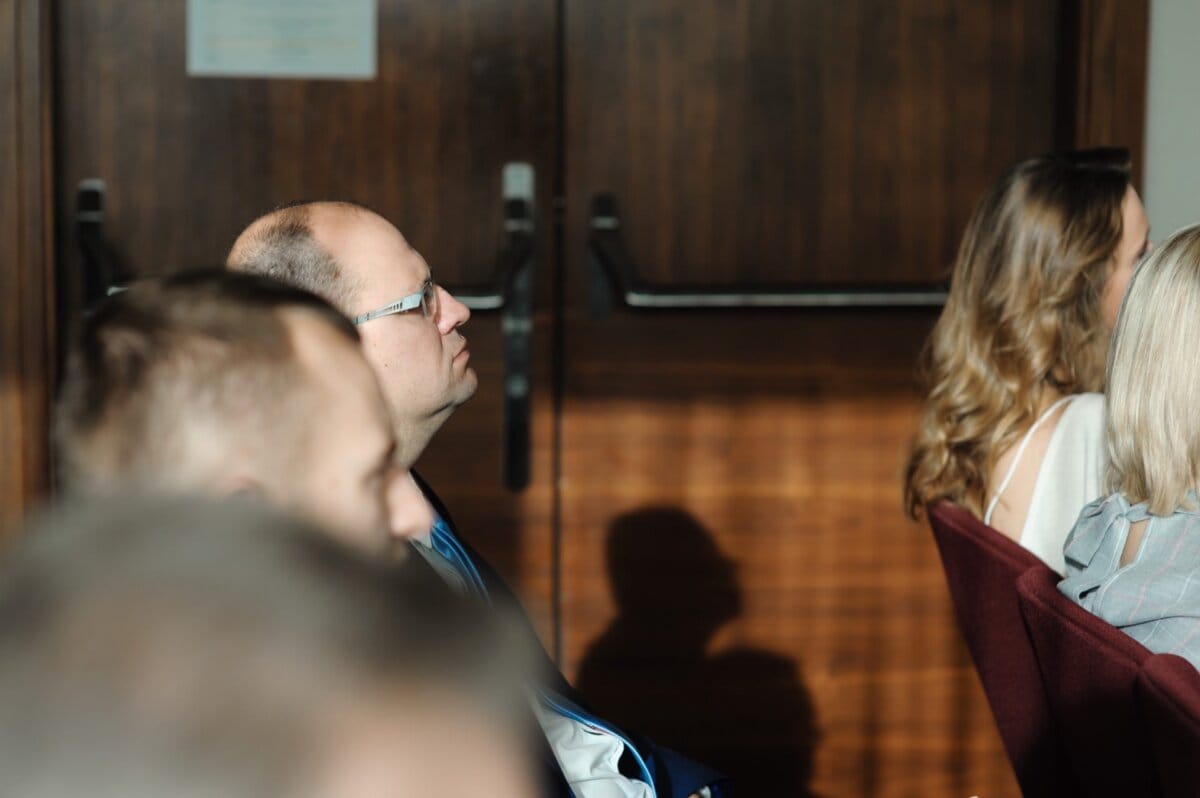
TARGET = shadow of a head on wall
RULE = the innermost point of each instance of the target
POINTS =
(741, 710)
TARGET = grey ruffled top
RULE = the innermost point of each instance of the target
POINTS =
(1156, 597)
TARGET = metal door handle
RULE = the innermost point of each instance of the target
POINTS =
(614, 277)
(511, 292)
(97, 267)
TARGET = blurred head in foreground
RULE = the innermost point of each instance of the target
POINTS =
(173, 647)
(228, 384)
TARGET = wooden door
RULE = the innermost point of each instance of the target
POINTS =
(463, 87)
(27, 321)
(739, 580)
(713, 527)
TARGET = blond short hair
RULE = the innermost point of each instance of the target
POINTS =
(158, 645)
(1154, 380)
(167, 380)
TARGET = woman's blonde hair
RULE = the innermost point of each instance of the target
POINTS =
(1023, 318)
(1154, 380)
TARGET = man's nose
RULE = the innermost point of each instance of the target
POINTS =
(451, 312)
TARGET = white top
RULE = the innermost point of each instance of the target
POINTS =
(588, 755)
(1071, 476)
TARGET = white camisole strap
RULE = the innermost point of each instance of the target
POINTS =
(1012, 468)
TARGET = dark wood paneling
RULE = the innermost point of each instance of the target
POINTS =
(802, 141)
(775, 613)
(765, 605)
(26, 284)
(1111, 74)
(463, 87)
(514, 532)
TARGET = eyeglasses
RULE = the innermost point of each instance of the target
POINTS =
(425, 299)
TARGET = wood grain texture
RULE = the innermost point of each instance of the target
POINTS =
(1110, 75)
(463, 87)
(765, 606)
(801, 141)
(514, 532)
(738, 577)
(26, 252)
(769, 608)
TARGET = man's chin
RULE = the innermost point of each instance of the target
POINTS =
(467, 386)
(459, 394)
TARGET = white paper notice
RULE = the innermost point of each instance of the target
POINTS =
(281, 38)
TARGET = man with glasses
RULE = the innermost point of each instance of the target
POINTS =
(410, 330)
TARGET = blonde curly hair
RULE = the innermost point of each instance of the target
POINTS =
(1023, 318)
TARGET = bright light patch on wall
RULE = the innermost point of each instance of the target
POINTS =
(334, 39)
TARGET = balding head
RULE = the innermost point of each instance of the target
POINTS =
(360, 262)
(294, 244)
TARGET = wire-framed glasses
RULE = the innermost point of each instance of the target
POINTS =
(425, 300)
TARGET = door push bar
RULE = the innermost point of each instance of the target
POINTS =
(613, 276)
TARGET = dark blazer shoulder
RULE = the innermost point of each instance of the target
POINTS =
(676, 776)
(504, 597)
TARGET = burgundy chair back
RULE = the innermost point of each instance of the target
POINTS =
(1089, 669)
(982, 567)
(1168, 695)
